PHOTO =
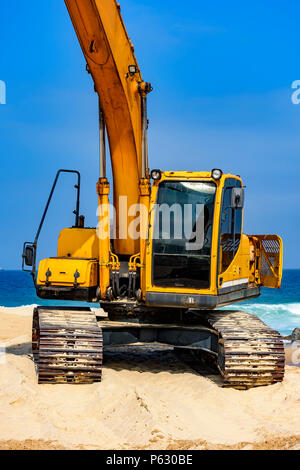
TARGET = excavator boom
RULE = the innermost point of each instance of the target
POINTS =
(111, 61)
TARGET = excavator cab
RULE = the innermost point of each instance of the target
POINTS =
(197, 253)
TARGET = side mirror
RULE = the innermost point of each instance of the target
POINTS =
(237, 198)
(28, 255)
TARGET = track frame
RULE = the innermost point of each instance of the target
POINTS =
(68, 344)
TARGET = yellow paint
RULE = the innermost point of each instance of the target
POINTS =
(181, 176)
(63, 271)
(104, 236)
(239, 268)
(145, 190)
(78, 243)
(270, 260)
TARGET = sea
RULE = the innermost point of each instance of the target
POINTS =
(279, 308)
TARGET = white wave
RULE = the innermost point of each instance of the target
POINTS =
(2, 307)
(281, 317)
(294, 308)
(290, 308)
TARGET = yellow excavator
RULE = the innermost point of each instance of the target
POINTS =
(165, 256)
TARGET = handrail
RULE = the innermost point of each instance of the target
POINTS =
(76, 213)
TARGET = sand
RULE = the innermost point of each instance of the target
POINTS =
(148, 399)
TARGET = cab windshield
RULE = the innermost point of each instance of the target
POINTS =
(182, 234)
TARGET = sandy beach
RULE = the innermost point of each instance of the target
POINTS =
(149, 399)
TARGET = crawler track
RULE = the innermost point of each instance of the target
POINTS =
(250, 353)
(67, 346)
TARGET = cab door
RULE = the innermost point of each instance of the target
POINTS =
(230, 237)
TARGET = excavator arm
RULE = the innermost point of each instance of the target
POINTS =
(111, 61)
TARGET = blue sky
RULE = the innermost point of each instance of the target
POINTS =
(222, 75)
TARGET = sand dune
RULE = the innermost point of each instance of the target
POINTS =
(148, 399)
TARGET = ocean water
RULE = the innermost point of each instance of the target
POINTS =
(280, 309)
